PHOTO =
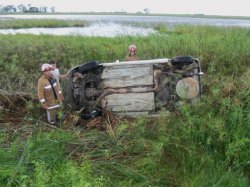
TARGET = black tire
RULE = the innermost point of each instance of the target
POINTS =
(182, 60)
(88, 66)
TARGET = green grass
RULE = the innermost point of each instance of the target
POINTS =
(47, 23)
(206, 144)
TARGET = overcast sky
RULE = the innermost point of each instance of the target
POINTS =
(209, 7)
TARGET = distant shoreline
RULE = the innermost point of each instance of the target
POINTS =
(134, 14)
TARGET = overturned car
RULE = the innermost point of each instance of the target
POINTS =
(133, 88)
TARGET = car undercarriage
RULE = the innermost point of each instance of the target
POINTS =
(133, 88)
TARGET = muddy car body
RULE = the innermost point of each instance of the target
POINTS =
(133, 88)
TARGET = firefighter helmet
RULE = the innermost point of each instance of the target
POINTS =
(46, 67)
(132, 48)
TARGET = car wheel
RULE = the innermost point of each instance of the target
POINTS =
(88, 66)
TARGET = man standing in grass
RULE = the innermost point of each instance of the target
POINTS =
(49, 93)
(56, 73)
(132, 49)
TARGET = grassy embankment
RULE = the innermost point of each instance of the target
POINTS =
(202, 145)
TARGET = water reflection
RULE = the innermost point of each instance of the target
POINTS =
(101, 29)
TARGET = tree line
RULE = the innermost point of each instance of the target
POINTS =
(22, 8)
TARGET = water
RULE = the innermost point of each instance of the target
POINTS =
(116, 25)
(103, 30)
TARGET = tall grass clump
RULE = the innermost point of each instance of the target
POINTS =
(42, 161)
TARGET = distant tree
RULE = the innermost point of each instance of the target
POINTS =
(22, 8)
(44, 9)
(146, 10)
(25, 8)
(33, 9)
(52, 9)
(9, 9)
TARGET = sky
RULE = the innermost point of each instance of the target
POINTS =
(208, 7)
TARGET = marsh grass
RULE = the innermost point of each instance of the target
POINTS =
(206, 144)
(46, 23)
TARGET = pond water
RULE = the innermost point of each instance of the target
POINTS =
(103, 30)
(117, 25)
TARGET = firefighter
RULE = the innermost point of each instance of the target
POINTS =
(132, 49)
(49, 93)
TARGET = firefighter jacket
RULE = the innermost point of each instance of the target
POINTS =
(131, 58)
(48, 91)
